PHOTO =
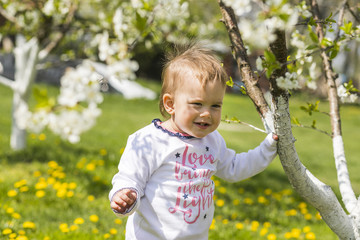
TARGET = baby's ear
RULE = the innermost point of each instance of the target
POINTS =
(168, 101)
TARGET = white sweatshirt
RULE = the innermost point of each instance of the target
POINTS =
(172, 175)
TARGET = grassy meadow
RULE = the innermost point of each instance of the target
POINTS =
(55, 190)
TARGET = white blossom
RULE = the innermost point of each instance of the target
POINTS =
(49, 8)
(288, 82)
(259, 65)
(345, 96)
(240, 7)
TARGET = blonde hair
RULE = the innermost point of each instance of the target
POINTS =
(199, 60)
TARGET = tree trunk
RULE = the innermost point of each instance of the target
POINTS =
(26, 56)
(309, 187)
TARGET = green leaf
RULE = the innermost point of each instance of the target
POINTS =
(295, 121)
(230, 82)
(140, 22)
(313, 35)
(42, 99)
(311, 47)
(313, 124)
(243, 90)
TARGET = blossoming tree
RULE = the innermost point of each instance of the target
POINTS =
(106, 36)
(266, 28)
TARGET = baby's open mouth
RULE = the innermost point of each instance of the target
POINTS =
(201, 124)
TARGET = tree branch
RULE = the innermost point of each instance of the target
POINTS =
(247, 74)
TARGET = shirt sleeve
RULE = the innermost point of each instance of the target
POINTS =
(234, 167)
(135, 169)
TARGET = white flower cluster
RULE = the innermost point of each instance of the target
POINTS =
(76, 111)
(124, 69)
(259, 31)
(288, 82)
(345, 96)
(240, 7)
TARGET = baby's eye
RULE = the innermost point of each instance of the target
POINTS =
(216, 106)
(197, 104)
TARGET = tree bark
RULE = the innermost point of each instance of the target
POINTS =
(26, 56)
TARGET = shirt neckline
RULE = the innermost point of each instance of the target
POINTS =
(157, 123)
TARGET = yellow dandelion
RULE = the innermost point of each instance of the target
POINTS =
(37, 174)
(291, 212)
(22, 238)
(306, 229)
(268, 191)
(24, 189)
(318, 216)
(254, 226)
(103, 152)
(302, 205)
(310, 236)
(94, 218)
(74, 228)
(12, 235)
(6, 231)
(236, 202)
(53, 164)
(225, 221)
(61, 192)
(95, 231)
(10, 210)
(79, 221)
(113, 231)
(262, 200)
(29, 225)
(287, 192)
(222, 190)
(234, 216)
(100, 162)
(263, 231)
(118, 221)
(308, 216)
(16, 215)
(91, 198)
(42, 137)
(121, 151)
(212, 226)
(239, 226)
(271, 237)
(248, 201)
(33, 136)
(20, 183)
(51, 180)
(295, 232)
(303, 211)
(46, 238)
(267, 225)
(70, 194)
(90, 166)
(41, 185)
(21, 232)
(288, 235)
(64, 227)
(40, 193)
(107, 235)
(12, 193)
(220, 203)
(72, 185)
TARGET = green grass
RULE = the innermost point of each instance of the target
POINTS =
(79, 176)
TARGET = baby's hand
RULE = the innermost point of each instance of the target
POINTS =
(123, 199)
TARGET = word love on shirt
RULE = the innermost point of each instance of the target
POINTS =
(196, 190)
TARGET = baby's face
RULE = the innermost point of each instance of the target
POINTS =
(197, 108)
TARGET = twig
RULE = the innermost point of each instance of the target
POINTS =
(309, 127)
(244, 123)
